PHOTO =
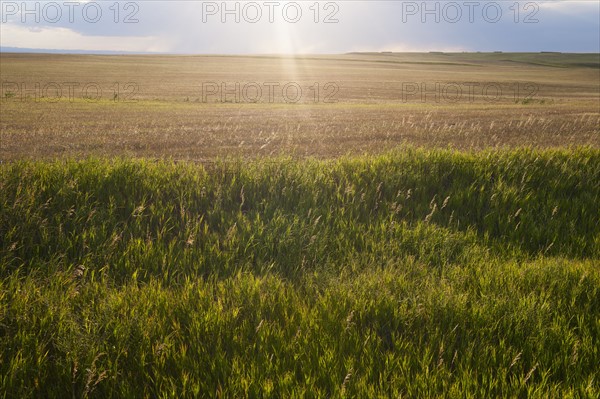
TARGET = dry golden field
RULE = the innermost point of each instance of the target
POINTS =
(201, 107)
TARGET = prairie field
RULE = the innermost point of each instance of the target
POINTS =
(163, 106)
(370, 225)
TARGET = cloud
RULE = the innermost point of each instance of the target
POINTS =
(57, 38)
(185, 27)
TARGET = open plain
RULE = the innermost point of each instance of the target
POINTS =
(201, 107)
(357, 225)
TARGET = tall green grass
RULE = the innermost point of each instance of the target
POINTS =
(415, 273)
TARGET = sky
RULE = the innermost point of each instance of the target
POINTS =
(301, 27)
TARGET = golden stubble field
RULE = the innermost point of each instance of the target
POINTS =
(202, 107)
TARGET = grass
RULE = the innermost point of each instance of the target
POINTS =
(415, 273)
(163, 114)
(170, 247)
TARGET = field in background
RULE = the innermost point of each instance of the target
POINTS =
(155, 106)
(379, 245)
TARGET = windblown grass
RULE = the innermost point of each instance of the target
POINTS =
(415, 273)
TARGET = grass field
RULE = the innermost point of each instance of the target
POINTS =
(374, 102)
(376, 246)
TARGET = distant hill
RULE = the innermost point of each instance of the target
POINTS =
(54, 51)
